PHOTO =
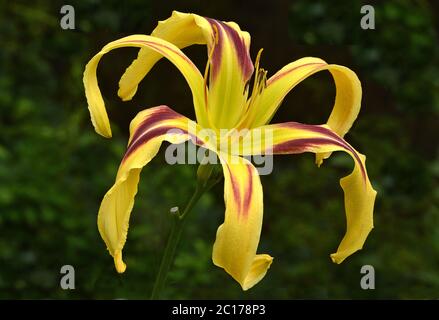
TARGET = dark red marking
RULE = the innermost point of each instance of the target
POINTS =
(303, 145)
(313, 128)
(244, 60)
(284, 73)
(162, 113)
(218, 46)
(242, 51)
(248, 192)
(144, 138)
(156, 132)
(235, 188)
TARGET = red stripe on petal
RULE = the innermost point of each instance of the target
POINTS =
(161, 113)
(241, 50)
(248, 192)
(218, 46)
(236, 192)
(286, 72)
(156, 132)
(223, 30)
(306, 144)
(146, 137)
(312, 128)
(302, 145)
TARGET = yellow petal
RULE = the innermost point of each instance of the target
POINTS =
(95, 102)
(180, 29)
(359, 201)
(347, 101)
(238, 237)
(147, 131)
(292, 138)
(230, 63)
(230, 71)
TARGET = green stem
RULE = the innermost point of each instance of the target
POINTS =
(173, 241)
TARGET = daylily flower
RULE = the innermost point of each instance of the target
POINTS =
(221, 101)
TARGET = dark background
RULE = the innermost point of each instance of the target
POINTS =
(54, 169)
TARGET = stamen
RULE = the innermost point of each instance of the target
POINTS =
(258, 58)
(246, 87)
(259, 84)
(260, 81)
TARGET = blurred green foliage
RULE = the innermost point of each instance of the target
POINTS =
(54, 169)
(401, 54)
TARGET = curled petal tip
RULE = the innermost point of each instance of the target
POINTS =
(118, 262)
(260, 266)
(319, 161)
(103, 130)
(106, 134)
(336, 258)
(126, 94)
(320, 157)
